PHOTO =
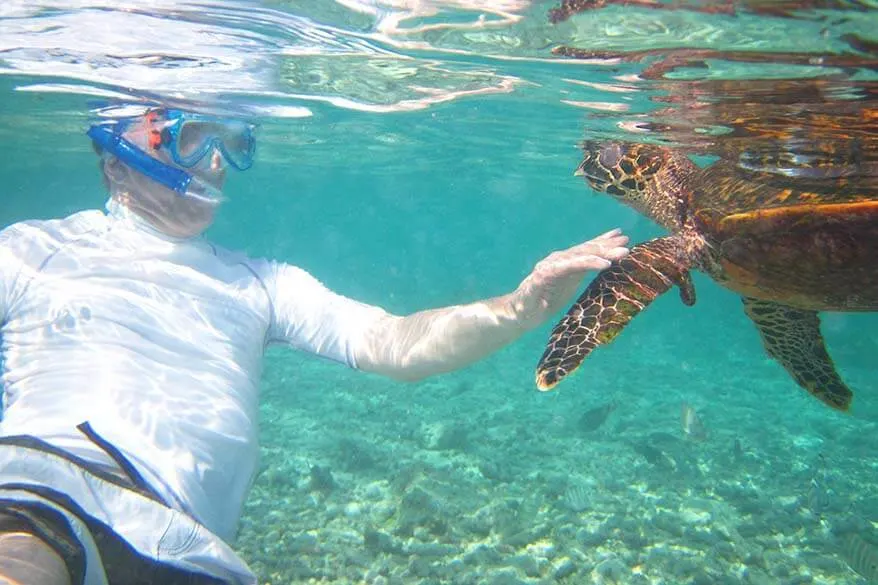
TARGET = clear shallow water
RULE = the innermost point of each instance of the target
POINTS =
(418, 154)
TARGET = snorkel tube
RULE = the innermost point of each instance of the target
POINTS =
(178, 180)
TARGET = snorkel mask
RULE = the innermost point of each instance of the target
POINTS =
(187, 139)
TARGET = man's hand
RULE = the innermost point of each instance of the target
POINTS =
(556, 278)
(441, 340)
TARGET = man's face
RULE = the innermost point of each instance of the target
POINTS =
(165, 209)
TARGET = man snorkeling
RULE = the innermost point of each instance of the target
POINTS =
(132, 350)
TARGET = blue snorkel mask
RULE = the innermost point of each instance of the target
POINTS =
(187, 139)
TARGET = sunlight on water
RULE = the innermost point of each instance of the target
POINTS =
(286, 60)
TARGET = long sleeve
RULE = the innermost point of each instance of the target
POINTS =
(311, 317)
(10, 268)
(433, 341)
(439, 340)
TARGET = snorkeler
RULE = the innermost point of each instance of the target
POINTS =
(132, 351)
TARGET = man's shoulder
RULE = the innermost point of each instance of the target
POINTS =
(266, 269)
(30, 242)
(60, 229)
(259, 267)
(230, 256)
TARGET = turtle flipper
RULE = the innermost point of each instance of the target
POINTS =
(792, 337)
(612, 299)
(687, 289)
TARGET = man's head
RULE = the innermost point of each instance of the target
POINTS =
(168, 166)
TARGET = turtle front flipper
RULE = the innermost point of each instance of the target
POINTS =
(610, 301)
(792, 337)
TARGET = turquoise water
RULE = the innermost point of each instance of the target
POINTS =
(413, 203)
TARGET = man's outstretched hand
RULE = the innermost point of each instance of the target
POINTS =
(556, 278)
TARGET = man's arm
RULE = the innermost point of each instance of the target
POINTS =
(9, 267)
(441, 340)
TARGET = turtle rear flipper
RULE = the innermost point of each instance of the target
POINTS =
(792, 337)
(610, 301)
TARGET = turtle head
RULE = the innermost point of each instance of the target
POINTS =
(624, 170)
(635, 174)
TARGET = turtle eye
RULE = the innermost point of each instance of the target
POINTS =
(610, 155)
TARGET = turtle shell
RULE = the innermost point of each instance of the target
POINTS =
(809, 241)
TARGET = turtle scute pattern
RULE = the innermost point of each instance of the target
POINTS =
(609, 303)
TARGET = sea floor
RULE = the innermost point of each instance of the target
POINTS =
(471, 478)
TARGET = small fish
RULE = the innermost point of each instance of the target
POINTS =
(817, 498)
(577, 498)
(738, 449)
(861, 556)
(663, 440)
(691, 424)
(592, 419)
(655, 456)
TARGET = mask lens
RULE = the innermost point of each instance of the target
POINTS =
(194, 139)
(237, 144)
(197, 137)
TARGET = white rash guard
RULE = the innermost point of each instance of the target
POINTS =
(157, 343)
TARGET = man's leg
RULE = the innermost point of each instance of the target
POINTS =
(26, 560)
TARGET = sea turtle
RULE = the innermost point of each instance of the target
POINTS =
(791, 239)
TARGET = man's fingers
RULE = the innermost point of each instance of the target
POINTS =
(612, 232)
(592, 246)
(586, 263)
(578, 265)
(616, 253)
(606, 241)
(595, 254)
(609, 236)
(610, 248)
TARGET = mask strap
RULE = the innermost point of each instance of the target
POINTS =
(171, 177)
(156, 138)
